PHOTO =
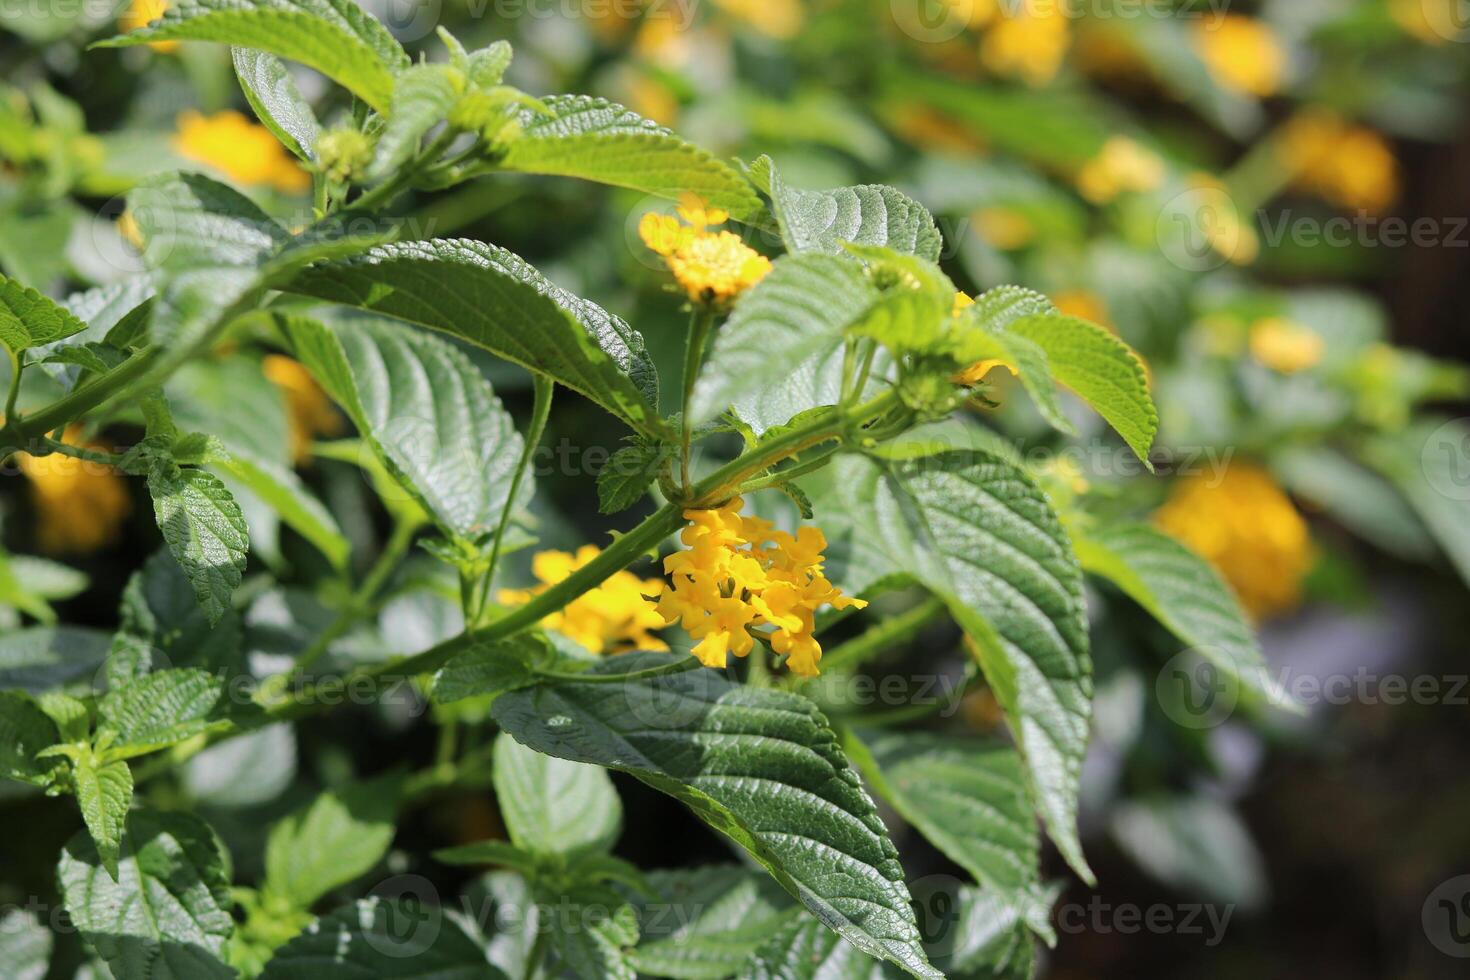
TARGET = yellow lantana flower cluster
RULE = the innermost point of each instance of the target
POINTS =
(1351, 166)
(739, 573)
(1243, 524)
(713, 267)
(1122, 165)
(80, 505)
(238, 148)
(1242, 54)
(615, 617)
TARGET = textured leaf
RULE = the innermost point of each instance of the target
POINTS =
(336, 37)
(804, 950)
(382, 939)
(282, 490)
(422, 97)
(977, 532)
(796, 317)
(1102, 369)
(160, 709)
(28, 319)
(552, 806)
(272, 92)
(24, 730)
(871, 214)
(160, 610)
(339, 836)
(760, 766)
(25, 945)
(205, 532)
(1183, 592)
(104, 793)
(592, 937)
(597, 140)
(489, 669)
(968, 798)
(44, 658)
(116, 316)
(627, 476)
(994, 311)
(493, 299)
(427, 411)
(166, 915)
(706, 922)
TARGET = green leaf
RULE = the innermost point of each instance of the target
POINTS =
(44, 658)
(1183, 592)
(870, 214)
(968, 798)
(493, 299)
(205, 532)
(552, 806)
(797, 317)
(104, 793)
(166, 914)
(1103, 370)
(72, 717)
(498, 853)
(992, 313)
(1356, 497)
(706, 922)
(24, 730)
(761, 766)
(592, 932)
(160, 709)
(427, 411)
(336, 37)
(1430, 464)
(628, 475)
(272, 92)
(975, 530)
(160, 610)
(490, 669)
(28, 319)
(385, 939)
(804, 950)
(341, 835)
(422, 97)
(282, 490)
(601, 141)
(25, 945)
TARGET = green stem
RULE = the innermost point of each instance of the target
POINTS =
(80, 452)
(81, 401)
(545, 389)
(14, 382)
(385, 193)
(677, 667)
(790, 473)
(884, 636)
(699, 329)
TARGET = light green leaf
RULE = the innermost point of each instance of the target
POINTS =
(968, 798)
(282, 490)
(28, 319)
(493, 299)
(44, 658)
(796, 317)
(760, 766)
(427, 411)
(994, 311)
(1360, 499)
(104, 793)
(706, 922)
(385, 939)
(1103, 370)
(870, 214)
(166, 914)
(336, 37)
(497, 853)
(552, 806)
(1183, 592)
(422, 97)
(24, 730)
(160, 709)
(205, 532)
(272, 92)
(341, 835)
(601, 141)
(244, 771)
(977, 532)
(1430, 464)
(25, 945)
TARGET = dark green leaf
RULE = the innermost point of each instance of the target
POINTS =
(24, 730)
(706, 922)
(628, 475)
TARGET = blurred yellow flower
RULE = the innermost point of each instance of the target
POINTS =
(80, 505)
(238, 148)
(652, 99)
(1027, 41)
(1285, 346)
(780, 19)
(1243, 524)
(1005, 228)
(1218, 220)
(931, 130)
(1242, 53)
(141, 13)
(661, 42)
(309, 411)
(615, 617)
(1350, 166)
(740, 572)
(1122, 165)
(713, 267)
(127, 227)
(1083, 304)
